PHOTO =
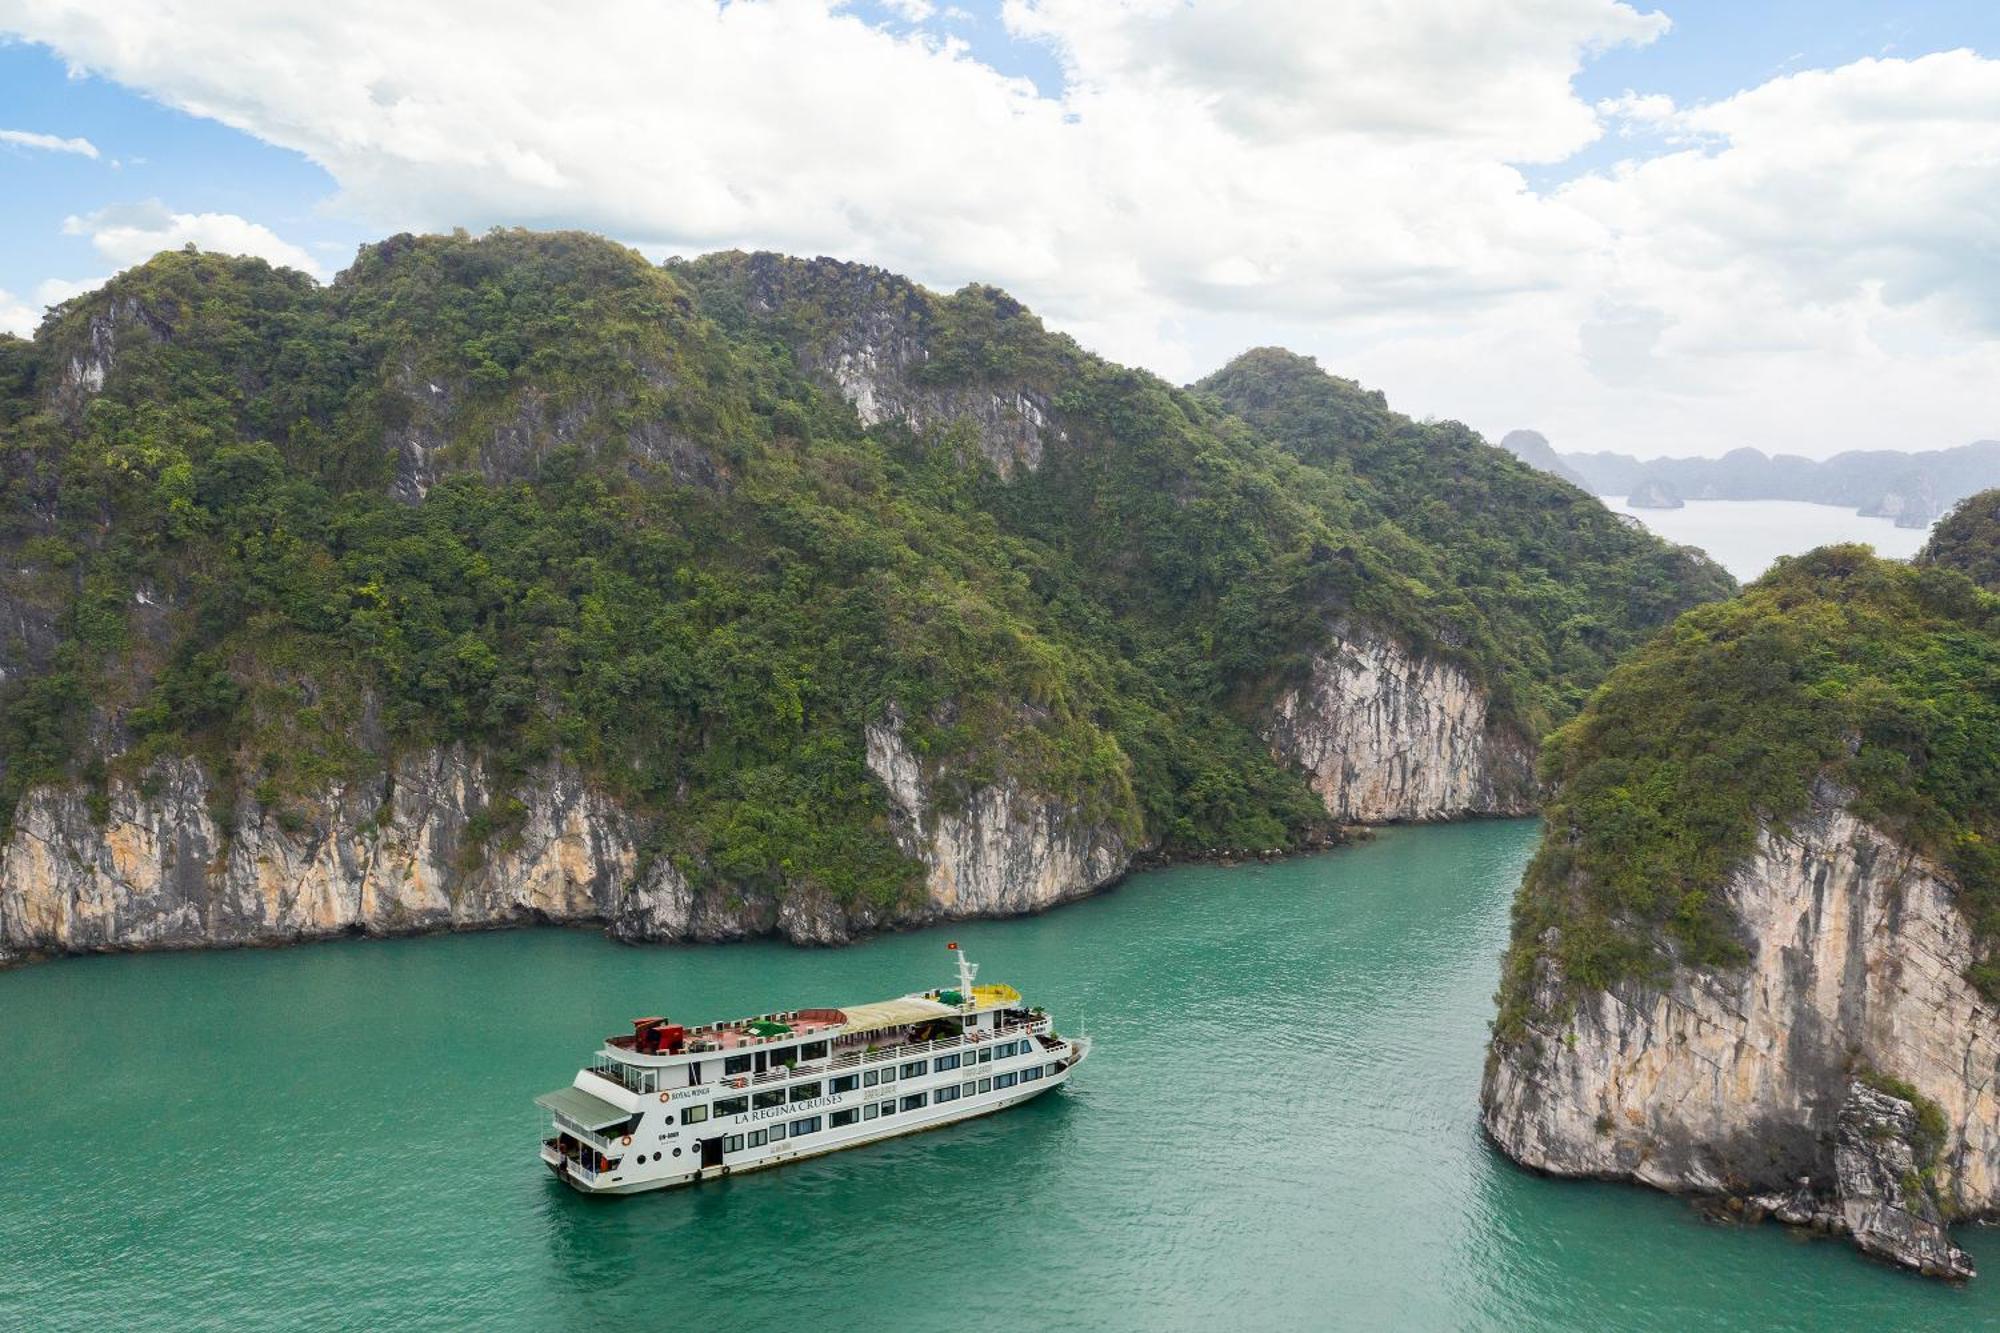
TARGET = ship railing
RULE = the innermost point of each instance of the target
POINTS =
(623, 1075)
(582, 1135)
(552, 1153)
(915, 1050)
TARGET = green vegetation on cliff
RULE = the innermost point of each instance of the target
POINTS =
(1968, 540)
(1523, 571)
(532, 494)
(1881, 677)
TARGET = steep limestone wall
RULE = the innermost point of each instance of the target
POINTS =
(1386, 735)
(398, 854)
(1736, 1081)
(392, 854)
(1005, 853)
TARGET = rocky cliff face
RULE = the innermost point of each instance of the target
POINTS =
(1387, 735)
(1006, 852)
(1797, 1076)
(875, 351)
(411, 851)
(398, 853)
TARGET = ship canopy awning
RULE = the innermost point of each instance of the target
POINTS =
(592, 1113)
(893, 1013)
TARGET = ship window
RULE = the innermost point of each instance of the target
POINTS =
(839, 1118)
(944, 1062)
(845, 1083)
(758, 1137)
(668, 1118)
(1005, 1080)
(888, 1108)
(986, 1055)
(813, 1050)
(765, 1100)
(914, 1069)
(736, 1064)
(656, 1157)
(914, 1101)
(677, 1152)
(947, 1095)
(871, 1078)
(889, 1074)
(804, 1092)
(777, 1133)
(1030, 1074)
(986, 1085)
(734, 1143)
(694, 1115)
(809, 1125)
(1052, 1070)
(968, 1088)
(731, 1105)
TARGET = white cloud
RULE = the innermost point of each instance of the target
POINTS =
(1812, 269)
(48, 143)
(133, 233)
(17, 317)
(128, 234)
(21, 317)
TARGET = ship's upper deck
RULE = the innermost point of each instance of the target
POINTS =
(656, 1037)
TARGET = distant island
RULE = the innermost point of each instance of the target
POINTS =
(1652, 493)
(1910, 488)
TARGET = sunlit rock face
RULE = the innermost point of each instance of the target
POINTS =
(1737, 1081)
(1387, 735)
(1004, 851)
(417, 849)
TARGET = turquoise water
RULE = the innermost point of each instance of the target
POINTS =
(1277, 1131)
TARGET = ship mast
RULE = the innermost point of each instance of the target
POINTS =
(967, 970)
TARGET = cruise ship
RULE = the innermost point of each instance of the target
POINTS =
(668, 1105)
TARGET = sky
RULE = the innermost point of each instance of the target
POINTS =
(1659, 228)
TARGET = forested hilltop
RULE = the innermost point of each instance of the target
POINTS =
(701, 530)
(1837, 666)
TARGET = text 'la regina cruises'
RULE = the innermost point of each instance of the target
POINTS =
(668, 1104)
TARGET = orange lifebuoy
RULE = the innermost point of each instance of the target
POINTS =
(627, 1140)
(665, 1095)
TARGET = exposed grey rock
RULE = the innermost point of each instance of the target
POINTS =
(398, 853)
(424, 413)
(1890, 1208)
(1735, 1081)
(875, 352)
(1005, 852)
(1387, 735)
(391, 854)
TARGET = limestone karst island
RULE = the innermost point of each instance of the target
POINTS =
(1170, 664)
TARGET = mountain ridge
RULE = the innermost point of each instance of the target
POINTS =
(520, 512)
(1912, 488)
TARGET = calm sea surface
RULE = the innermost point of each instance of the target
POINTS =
(1277, 1132)
(1745, 536)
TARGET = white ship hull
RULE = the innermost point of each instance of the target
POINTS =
(671, 1106)
(829, 1141)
